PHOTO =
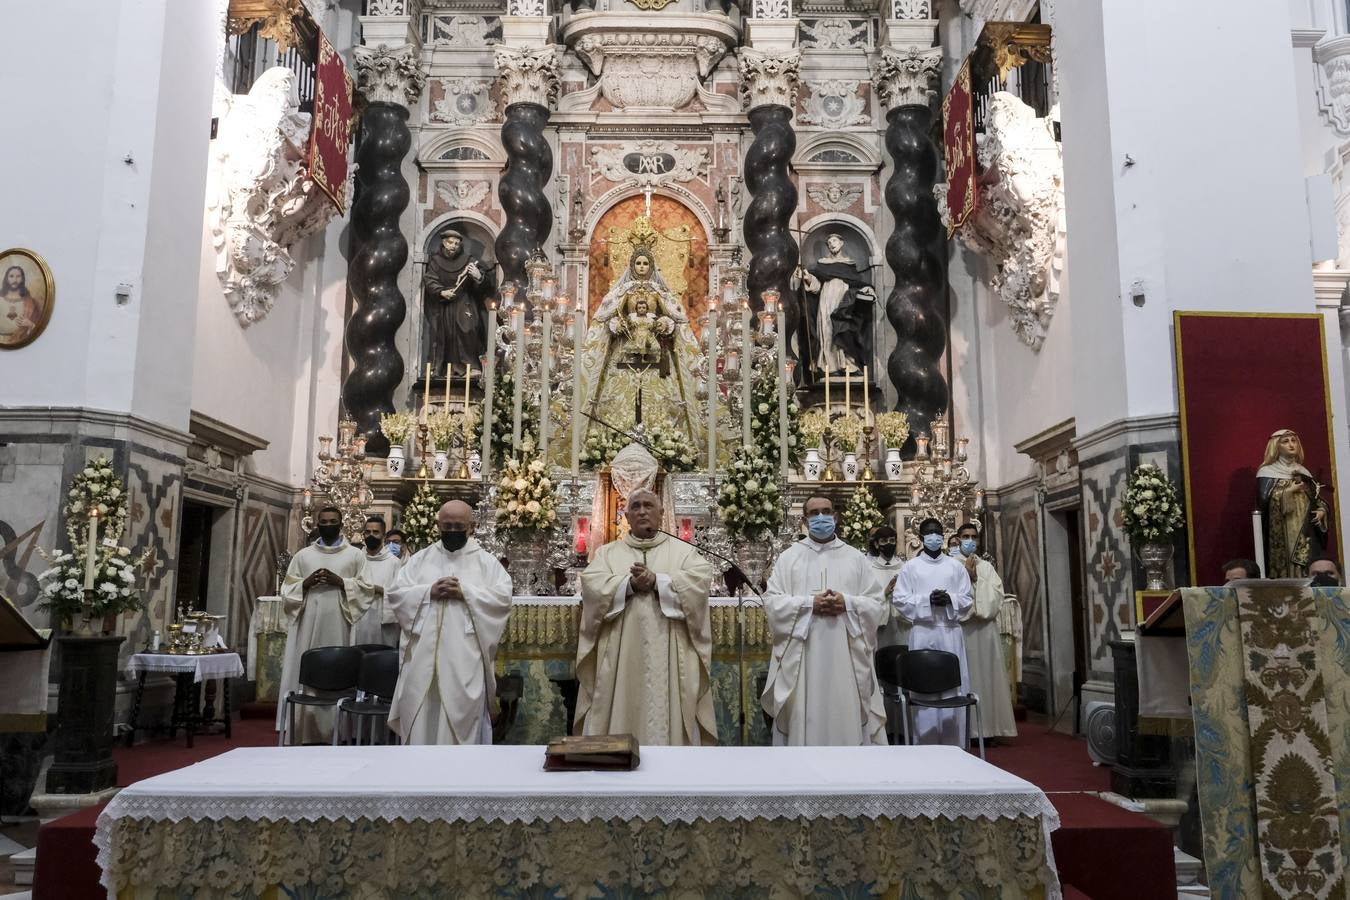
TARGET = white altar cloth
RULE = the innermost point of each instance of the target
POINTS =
(201, 667)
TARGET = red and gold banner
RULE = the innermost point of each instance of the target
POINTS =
(958, 149)
(331, 129)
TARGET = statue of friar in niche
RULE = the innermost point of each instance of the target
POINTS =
(455, 291)
(841, 315)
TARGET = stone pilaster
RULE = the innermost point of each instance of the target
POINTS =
(528, 83)
(391, 79)
(769, 86)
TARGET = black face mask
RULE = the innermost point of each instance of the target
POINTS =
(329, 533)
(373, 543)
(454, 540)
(1323, 579)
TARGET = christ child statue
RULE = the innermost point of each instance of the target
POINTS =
(641, 324)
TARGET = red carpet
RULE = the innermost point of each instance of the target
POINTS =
(1103, 852)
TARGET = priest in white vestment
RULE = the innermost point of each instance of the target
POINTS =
(886, 564)
(452, 600)
(988, 674)
(377, 626)
(823, 606)
(644, 655)
(933, 593)
(324, 594)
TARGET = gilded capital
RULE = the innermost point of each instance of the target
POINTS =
(905, 77)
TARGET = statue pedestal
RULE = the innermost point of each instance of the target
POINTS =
(83, 762)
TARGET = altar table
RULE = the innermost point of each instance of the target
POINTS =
(478, 822)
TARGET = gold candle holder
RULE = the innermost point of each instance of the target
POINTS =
(869, 436)
(423, 472)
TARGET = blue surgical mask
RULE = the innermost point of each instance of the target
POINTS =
(932, 542)
(968, 547)
(395, 548)
(821, 526)
(954, 551)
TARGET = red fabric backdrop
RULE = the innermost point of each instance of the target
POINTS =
(958, 146)
(1241, 377)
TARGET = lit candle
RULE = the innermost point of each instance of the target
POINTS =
(550, 287)
(578, 335)
(712, 384)
(467, 430)
(979, 499)
(91, 551)
(848, 393)
(686, 529)
(545, 378)
(580, 530)
(771, 300)
(517, 397)
(489, 370)
(448, 376)
(961, 451)
(426, 393)
(746, 366)
(867, 398)
(827, 395)
(921, 446)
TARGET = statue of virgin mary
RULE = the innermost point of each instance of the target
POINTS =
(614, 363)
(1293, 515)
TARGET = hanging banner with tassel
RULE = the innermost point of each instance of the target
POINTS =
(331, 129)
(958, 150)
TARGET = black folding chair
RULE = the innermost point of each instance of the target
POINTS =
(375, 690)
(374, 648)
(934, 672)
(887, 661)
(332, 670)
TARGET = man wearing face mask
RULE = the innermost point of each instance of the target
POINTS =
(988, 674)
(377, 626)
(452, 600)
(394, 541)
(1324, 573)
(823, 606)
(933, 592)
(324, 593)
(886, 564)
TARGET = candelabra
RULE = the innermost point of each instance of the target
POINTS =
(341, 479)
(943, 489)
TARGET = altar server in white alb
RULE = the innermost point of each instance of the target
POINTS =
(323, 594)
(644, 655)
(824, 607)
(933, 593)
(377, 626)
(452, 601)
(984, 643)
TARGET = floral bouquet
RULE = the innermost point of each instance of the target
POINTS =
(526, 500)
(396, 427)
(419, 518)
(812, 425)
(893, 428)
(1152, 508)
(503, 393)
(444, 428)
(749, 500)
(672, 450)
(601, 445)
(96, 491)
(764, 417)
(859, 517)
(848, 432)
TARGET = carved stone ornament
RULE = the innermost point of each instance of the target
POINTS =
(769, 79)
(386, 7)
(651, 62)
(834, 34)
(390, 75)
(261, 200)
(834, 104)
(527, 75)
(473, 32)
(1333, 56)
(1019, 219)
(463, 194)
(999, 10)
(911, 9)
(649, 163)
(466, 102)
(906, 77)
(772, 9)
(835, 196)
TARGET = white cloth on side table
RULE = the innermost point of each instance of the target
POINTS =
(202, 667)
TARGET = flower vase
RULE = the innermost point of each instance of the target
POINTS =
(395, 462)
(527, 563)
(850, 467)
(811, 469)
(895, 466)
(1157, 562)
(475, 465)
(440, 465)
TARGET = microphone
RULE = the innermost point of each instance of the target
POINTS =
(734, 566)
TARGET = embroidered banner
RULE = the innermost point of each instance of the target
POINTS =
(958, 150)
(331, 128)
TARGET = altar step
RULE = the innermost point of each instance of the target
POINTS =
(1108, 853)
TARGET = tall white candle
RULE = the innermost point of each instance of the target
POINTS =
(545, 388)
(578, 335)
(1258, 540)
(782, 395)
(517, 320)
(746, 341)
(91, 551)
(712, 386)
(489, 371)
(426, 394)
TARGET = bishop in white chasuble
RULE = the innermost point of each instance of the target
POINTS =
(452, 601)
(824, 607)
(644, 654)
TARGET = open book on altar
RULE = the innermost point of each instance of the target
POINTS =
(601, 752)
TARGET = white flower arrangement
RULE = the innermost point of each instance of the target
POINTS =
(1152, 509)
(526, 499)
(813, 424)
(859, 517)
(397, 426)
(893, 428)
(444, 428)
(848, 431)
(600, 447)
(749, 500)
(673, 450)
(419, 518)
(764, 417)
(98, 488)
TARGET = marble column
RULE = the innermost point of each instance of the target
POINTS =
(769, 81)
(391, 80)
(916, 306)
(528, 81)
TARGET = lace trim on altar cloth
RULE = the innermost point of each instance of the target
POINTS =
(370, 858)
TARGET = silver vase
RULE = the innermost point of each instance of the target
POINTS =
(1157, 562)
(527, 562)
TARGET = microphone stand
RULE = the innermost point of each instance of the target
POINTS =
(740, 623)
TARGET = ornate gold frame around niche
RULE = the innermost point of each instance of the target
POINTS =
(670, 248)
(48, 304)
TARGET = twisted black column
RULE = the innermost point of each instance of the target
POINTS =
(378, 253)
(916, 306)
(529, 165)
(773, 198)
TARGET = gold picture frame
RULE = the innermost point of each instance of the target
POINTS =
(26, 301)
